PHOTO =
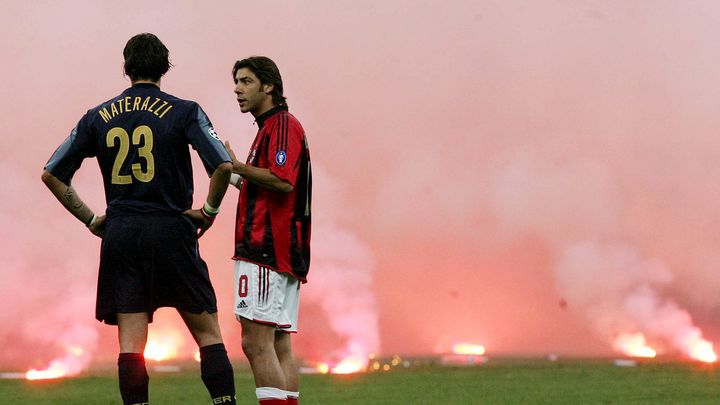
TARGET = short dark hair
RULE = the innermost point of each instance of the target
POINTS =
(267, 71)
(146, 57)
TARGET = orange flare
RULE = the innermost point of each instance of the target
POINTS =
(157, 351)
(71, 364)
(633, 344)
(702, 350)
(163, 345)
(56, 370)
(469, 349)
(350, 364)
(323, 368)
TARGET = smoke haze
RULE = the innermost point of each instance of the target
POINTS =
(531, 176)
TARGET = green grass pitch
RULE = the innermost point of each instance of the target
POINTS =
(500, 381)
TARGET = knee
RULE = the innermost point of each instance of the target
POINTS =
(208, 338)
(254, 348)
(283, 346)
(283, 351)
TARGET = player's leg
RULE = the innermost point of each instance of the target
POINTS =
(122, 299)
(258, 298)
(132, 374)
(204, 327)
(283, 349)
(258, 345)
(215, 368)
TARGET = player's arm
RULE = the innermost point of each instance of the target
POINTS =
(259, 176)
(72, 202)
(204, 139)
(219, 181)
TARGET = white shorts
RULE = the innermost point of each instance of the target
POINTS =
(265, 296)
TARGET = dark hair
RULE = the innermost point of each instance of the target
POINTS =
(146, 57)
(267, 71)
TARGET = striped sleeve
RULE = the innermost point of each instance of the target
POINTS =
(284, 148)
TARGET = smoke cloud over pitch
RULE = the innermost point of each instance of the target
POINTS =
(475, 165)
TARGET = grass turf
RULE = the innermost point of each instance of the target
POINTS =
(497, 382)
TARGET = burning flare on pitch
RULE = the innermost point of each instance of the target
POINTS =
(163, 345)
(693, 344)
(71, 364)
(468, 349)
(350, 364)
(633, 345)
(354, 363)
(699, 348)
(157, 351)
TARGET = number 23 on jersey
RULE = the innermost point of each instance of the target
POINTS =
(142, 138)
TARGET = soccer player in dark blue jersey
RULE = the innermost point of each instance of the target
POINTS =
(149, 256)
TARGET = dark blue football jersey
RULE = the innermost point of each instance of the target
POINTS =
(140, 139)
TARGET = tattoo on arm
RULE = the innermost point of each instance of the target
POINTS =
(72, 199)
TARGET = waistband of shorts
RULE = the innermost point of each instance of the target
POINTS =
(289, 273)
(161, 214)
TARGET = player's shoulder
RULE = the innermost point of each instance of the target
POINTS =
(292, 120)
(187, 110)
(286, 121)
(294, 124)
(96, 113)
(103, 105)
(181, 103)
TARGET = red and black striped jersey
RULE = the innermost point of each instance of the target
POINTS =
(272, 228)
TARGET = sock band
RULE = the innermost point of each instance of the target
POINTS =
(270, 393)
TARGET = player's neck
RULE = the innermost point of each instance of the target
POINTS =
(145, 81)
(263, 109)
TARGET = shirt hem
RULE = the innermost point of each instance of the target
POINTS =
(301, 279)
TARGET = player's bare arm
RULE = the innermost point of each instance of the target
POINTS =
(261, 177)
(218, 186)
(69, 198)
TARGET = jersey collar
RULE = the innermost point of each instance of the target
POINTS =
(146, 85)
(269, 113)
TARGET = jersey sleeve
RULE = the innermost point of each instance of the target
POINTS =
(69, 155)
(285, 148)
(205, 140)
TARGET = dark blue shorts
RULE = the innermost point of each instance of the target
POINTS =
(148, 262)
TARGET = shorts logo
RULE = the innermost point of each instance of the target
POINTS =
(212, 133)
(280, 158)
(242, 305)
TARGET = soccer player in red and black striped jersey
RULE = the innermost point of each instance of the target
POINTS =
(272, 230)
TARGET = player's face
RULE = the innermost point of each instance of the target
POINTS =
(251, 94)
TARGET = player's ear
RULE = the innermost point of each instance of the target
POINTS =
(268, 88)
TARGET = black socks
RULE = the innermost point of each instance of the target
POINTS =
(133, 378)
(215, 370)
(217, 374)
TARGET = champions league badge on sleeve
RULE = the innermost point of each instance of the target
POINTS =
(280, 158)
(211, 132)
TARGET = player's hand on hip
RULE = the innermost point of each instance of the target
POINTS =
(98, 226)
(200, 220)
